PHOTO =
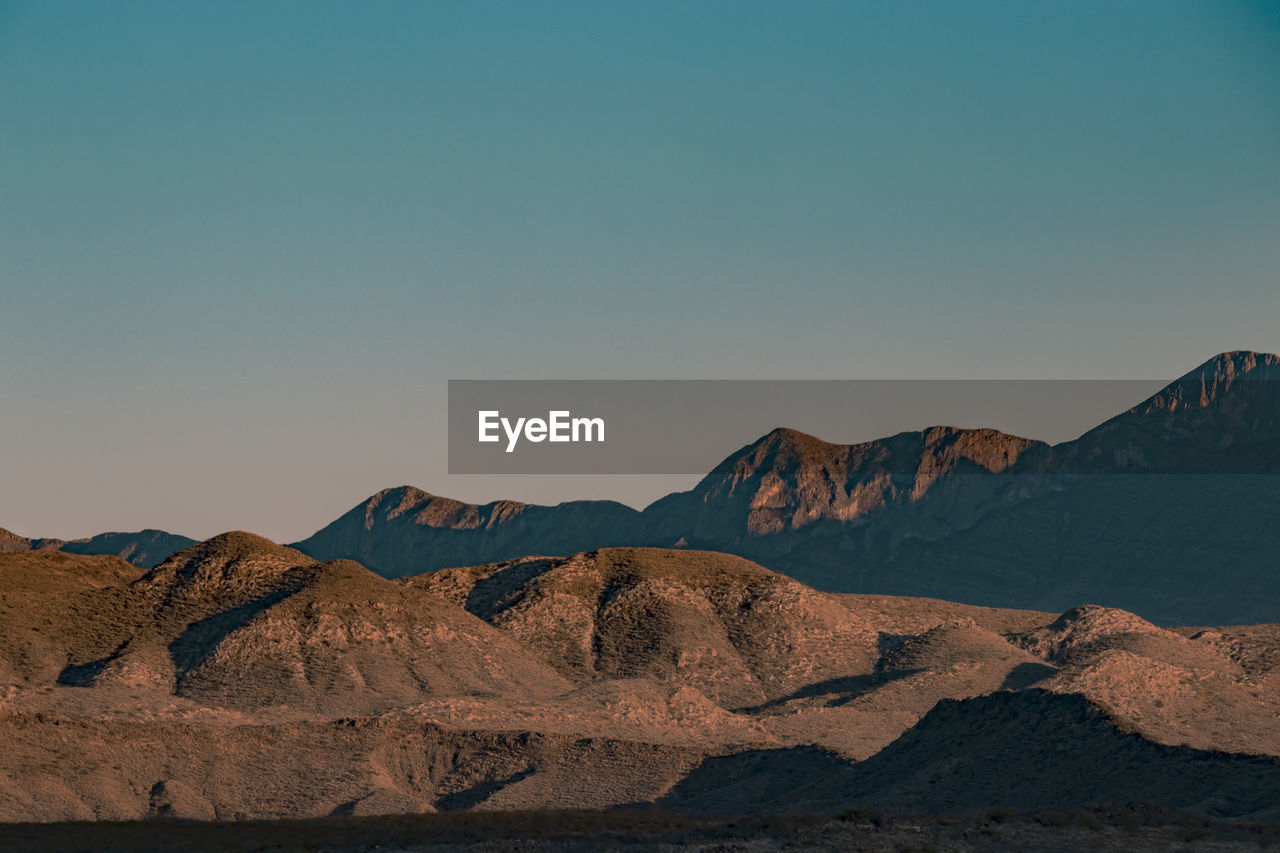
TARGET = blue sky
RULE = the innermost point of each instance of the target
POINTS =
(244, 245)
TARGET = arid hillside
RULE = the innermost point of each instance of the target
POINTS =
(241, 679)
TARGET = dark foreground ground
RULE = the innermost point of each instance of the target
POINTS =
(1137, 829)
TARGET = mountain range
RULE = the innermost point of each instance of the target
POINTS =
(942, 622)
(242, 679)
(145, 549)
(1166, 510)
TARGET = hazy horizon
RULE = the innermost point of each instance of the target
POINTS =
(244, 247)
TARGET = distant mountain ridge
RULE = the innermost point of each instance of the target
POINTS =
(784, 481)
(974, 515)
(145, 549)
(405, 527)
(1166, 509)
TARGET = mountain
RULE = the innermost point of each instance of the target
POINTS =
(783, 483)
(243, 679)
(1221, 418)
(405, 531)
(788, 481)
(145, 549)
(1166, 509)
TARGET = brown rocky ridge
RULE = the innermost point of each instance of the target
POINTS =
(242, 679)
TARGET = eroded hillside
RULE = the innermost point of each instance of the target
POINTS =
(244, 679)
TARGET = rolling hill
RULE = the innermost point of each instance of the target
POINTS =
(243, 679)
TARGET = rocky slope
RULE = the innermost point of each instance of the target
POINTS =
(1221, 418)
(788, 481)
(243, 679)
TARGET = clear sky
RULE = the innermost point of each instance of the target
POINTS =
(244, 245)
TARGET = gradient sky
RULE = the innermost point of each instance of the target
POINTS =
(244, 245)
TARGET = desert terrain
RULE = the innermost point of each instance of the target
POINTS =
(242, 680)
(591, 675)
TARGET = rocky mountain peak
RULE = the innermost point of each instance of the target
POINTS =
(1211, 381)
(1221, 418)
